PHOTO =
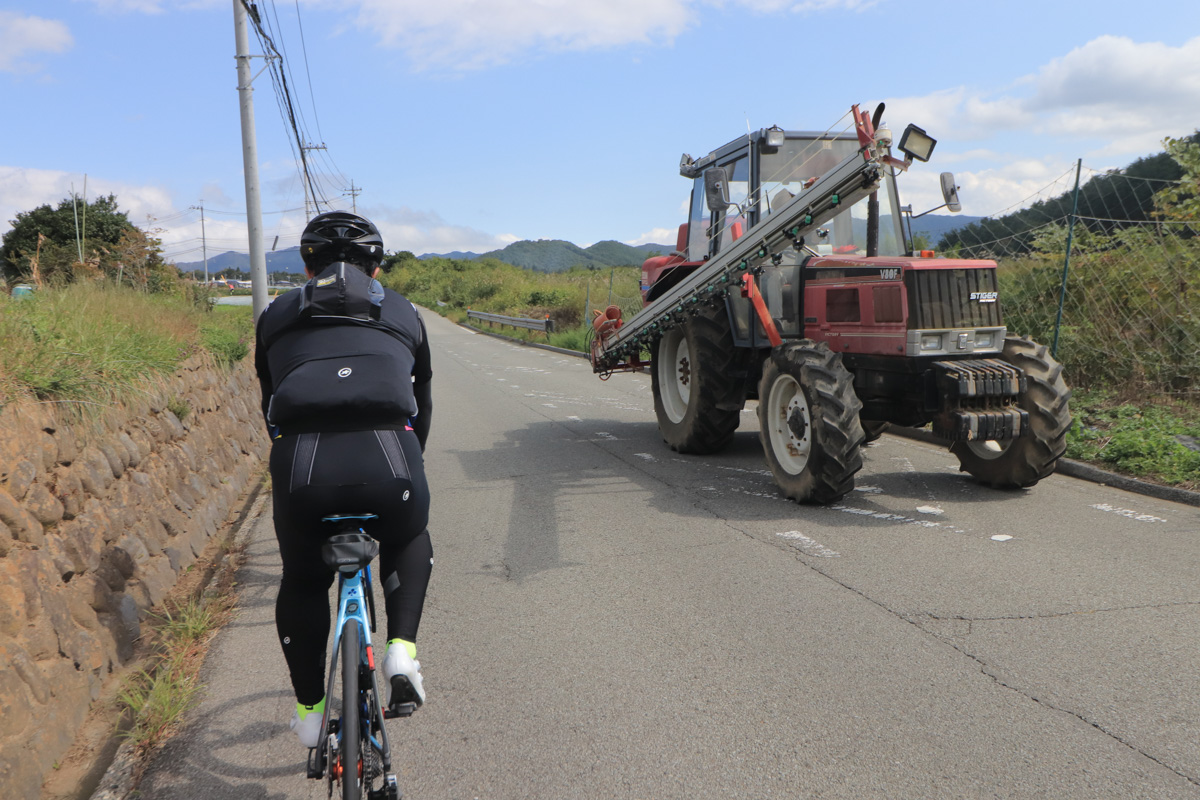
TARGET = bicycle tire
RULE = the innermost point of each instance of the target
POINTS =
(352, 788)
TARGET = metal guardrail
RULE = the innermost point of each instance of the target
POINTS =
(545, 325)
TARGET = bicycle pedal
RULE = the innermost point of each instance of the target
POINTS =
(389, 791)
(399, 710)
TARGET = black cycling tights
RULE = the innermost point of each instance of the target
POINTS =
(315, 475)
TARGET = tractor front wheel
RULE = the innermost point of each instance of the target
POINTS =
(808, 422)
(1022, 462)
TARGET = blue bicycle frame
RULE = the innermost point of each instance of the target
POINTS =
(356, 607)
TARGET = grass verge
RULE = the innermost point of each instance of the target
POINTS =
(94, 344)
(156, 698)
(1155, 441)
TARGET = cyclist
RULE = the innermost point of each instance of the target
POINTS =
(346, 392)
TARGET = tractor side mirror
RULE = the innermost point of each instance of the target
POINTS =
(950, 192)
(716, 189)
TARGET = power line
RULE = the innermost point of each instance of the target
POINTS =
(279, 79)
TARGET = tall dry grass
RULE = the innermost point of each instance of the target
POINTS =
(90, 343)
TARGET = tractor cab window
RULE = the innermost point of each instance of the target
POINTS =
(735, 223)
(698, 222)
(796, 165)
(730, 224)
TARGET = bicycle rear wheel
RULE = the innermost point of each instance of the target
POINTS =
(352, 787)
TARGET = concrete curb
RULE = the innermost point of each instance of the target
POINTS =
(1073, 469)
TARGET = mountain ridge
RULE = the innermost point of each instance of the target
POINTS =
(542, 255)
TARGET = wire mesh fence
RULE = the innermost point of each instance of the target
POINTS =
(1104, 274)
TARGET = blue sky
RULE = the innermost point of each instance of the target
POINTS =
(469, 124)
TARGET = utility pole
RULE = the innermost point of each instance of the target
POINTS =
(354, 193)
(304, 148)
(75, 207)
(258, 259)
(203, 241)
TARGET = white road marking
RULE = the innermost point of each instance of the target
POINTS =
(1001, 537)
(930, 510)
(868, 489)
(646, 456)
(549, 405)
(1126, 512)
(866, 512)
(606, 436)
(809, 546)
(572, 418)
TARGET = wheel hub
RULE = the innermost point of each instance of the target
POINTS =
(790, 429)
(685, 371)
(796, 423)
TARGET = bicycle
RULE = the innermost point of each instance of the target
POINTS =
(354, 750)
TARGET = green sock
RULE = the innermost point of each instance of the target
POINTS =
(303, 711)
(410, 647)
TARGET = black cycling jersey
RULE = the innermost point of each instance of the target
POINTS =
(356, 359)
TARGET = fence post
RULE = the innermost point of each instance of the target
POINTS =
(611, 272)
(1062, 292)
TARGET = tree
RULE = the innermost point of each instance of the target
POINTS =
(111, 242)
(1182, 201)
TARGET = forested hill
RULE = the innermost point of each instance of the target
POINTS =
(555, 255)
(934, 226)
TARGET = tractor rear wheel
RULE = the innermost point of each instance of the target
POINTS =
(1024, 461)
(808, 422)
(698, 397)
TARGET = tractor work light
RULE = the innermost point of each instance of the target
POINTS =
(774, 136)
(915, 143)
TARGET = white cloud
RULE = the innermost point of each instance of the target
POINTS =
(422, 232)
(1015, 185)
(1123, 94)
(23, 36)
(471, 34)
(460, 35)
(1109, 101)
(23, 189)
(656, 236)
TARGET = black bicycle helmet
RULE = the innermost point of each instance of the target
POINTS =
(341, 236)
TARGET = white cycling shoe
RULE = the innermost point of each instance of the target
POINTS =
(403, 675)
(308, 727)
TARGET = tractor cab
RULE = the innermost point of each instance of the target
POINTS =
(740, 185)
(763, 171)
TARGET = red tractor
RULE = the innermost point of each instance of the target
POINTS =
(794, 283)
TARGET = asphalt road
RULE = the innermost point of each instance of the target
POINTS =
(610, 619)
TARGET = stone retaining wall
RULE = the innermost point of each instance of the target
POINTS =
(97, 520)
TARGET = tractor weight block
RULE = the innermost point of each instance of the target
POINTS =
(978, 426)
